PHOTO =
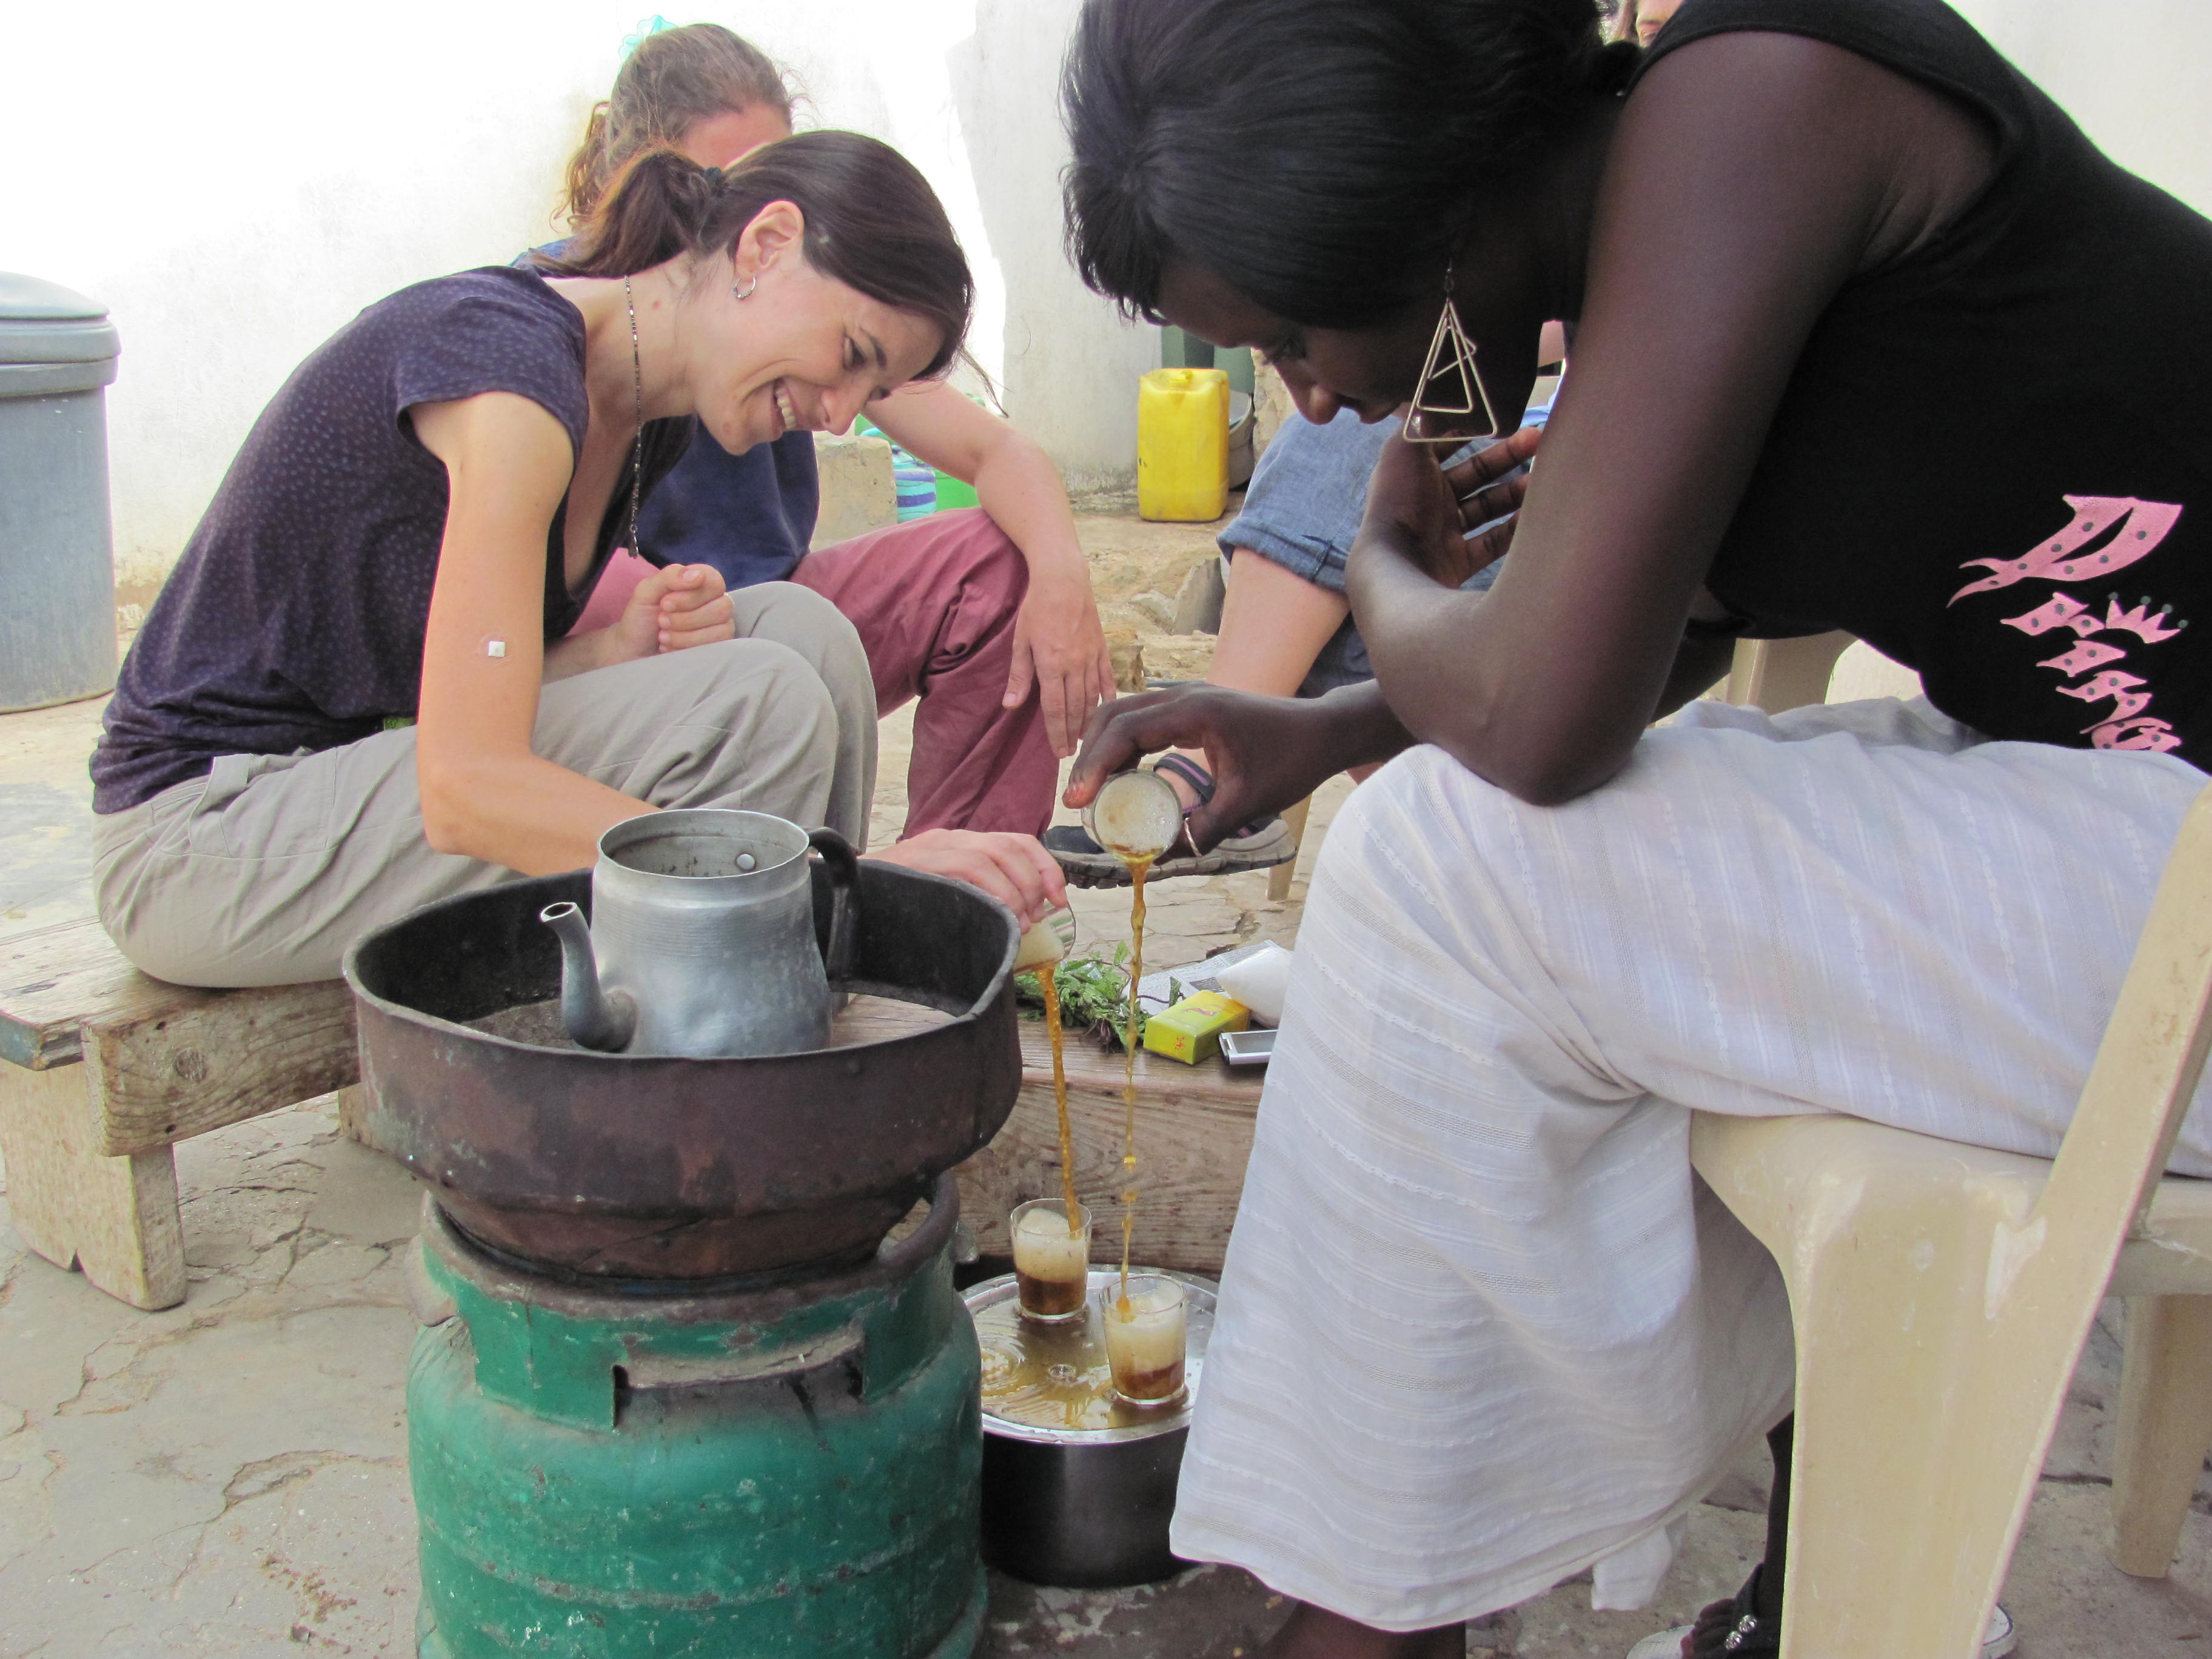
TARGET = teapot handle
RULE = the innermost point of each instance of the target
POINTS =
(844, 867)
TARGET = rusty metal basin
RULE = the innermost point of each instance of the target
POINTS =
(614, 1166)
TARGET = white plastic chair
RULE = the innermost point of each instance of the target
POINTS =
(1280, 877)
(1943, 1294)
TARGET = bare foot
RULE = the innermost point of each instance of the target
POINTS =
(1311, 1632)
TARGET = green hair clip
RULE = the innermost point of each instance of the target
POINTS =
(646, 26)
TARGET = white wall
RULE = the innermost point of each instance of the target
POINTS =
(2136, 74)
(1070, 381)
(235, 185)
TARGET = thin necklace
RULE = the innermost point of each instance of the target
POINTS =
(637, 443)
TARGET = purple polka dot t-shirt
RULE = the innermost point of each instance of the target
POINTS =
(295, 618)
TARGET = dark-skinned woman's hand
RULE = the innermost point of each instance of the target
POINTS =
(1432, 509)
(1264, 752)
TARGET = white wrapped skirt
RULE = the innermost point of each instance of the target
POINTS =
(1481, 1327)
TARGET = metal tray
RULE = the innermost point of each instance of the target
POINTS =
(1089, 1508)
(1133, 1423)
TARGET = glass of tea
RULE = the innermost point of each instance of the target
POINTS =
(1144, 1337)
(1052, 1261)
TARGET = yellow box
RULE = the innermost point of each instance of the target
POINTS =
(1191, 1030)
(1183, 444)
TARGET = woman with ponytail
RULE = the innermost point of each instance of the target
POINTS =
(985, 614)
(359, 690)
(1865, 335)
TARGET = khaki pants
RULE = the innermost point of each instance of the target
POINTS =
(265, 871)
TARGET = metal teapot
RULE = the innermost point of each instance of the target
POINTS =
(702, 938)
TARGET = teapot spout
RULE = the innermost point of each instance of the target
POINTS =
(604, 1020)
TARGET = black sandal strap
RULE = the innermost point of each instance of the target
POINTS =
(1201, 785)
(1200, 780)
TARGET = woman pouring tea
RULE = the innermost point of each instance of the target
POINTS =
(1865, 335)
(357, 692)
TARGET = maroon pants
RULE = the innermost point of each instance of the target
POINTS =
(934, 600)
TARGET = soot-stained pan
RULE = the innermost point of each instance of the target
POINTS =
(615, 1166)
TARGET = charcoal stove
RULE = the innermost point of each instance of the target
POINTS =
(673, 1391)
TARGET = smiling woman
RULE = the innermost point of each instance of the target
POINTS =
(982, 618)
(360, 691)
(838, 217)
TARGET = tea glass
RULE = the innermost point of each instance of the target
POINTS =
(1144, 1337)
(1052, 1264)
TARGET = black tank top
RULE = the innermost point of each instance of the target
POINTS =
(1993, 460)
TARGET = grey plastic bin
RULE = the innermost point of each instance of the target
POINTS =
(57, 555)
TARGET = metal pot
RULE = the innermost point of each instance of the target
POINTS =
(702, 937)
(1088, 1509)
(645, 1166)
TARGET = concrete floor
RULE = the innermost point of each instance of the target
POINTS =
(228, 1478)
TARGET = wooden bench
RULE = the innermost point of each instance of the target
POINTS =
(1193, 1138)
(107, 1068)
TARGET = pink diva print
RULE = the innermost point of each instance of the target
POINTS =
(2135, 528)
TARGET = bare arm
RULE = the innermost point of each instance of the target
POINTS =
(484, 793)
(1060, 645)
(1750, 176)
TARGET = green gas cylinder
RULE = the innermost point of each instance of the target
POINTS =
(789, 1466)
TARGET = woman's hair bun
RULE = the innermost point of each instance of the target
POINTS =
(673, 79)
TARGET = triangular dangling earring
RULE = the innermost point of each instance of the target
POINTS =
(1451, 387)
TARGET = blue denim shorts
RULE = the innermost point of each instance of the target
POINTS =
(1302, 511)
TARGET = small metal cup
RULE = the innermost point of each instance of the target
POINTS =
(1048, 939)
(1135, 815)
(1145, 1345)
(1052, 1266)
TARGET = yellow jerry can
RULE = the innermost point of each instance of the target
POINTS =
(1182, 444)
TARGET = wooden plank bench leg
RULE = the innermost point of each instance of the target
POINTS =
(113, 1217)
(353, 1113)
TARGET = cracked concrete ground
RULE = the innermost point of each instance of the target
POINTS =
(228, 1478)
